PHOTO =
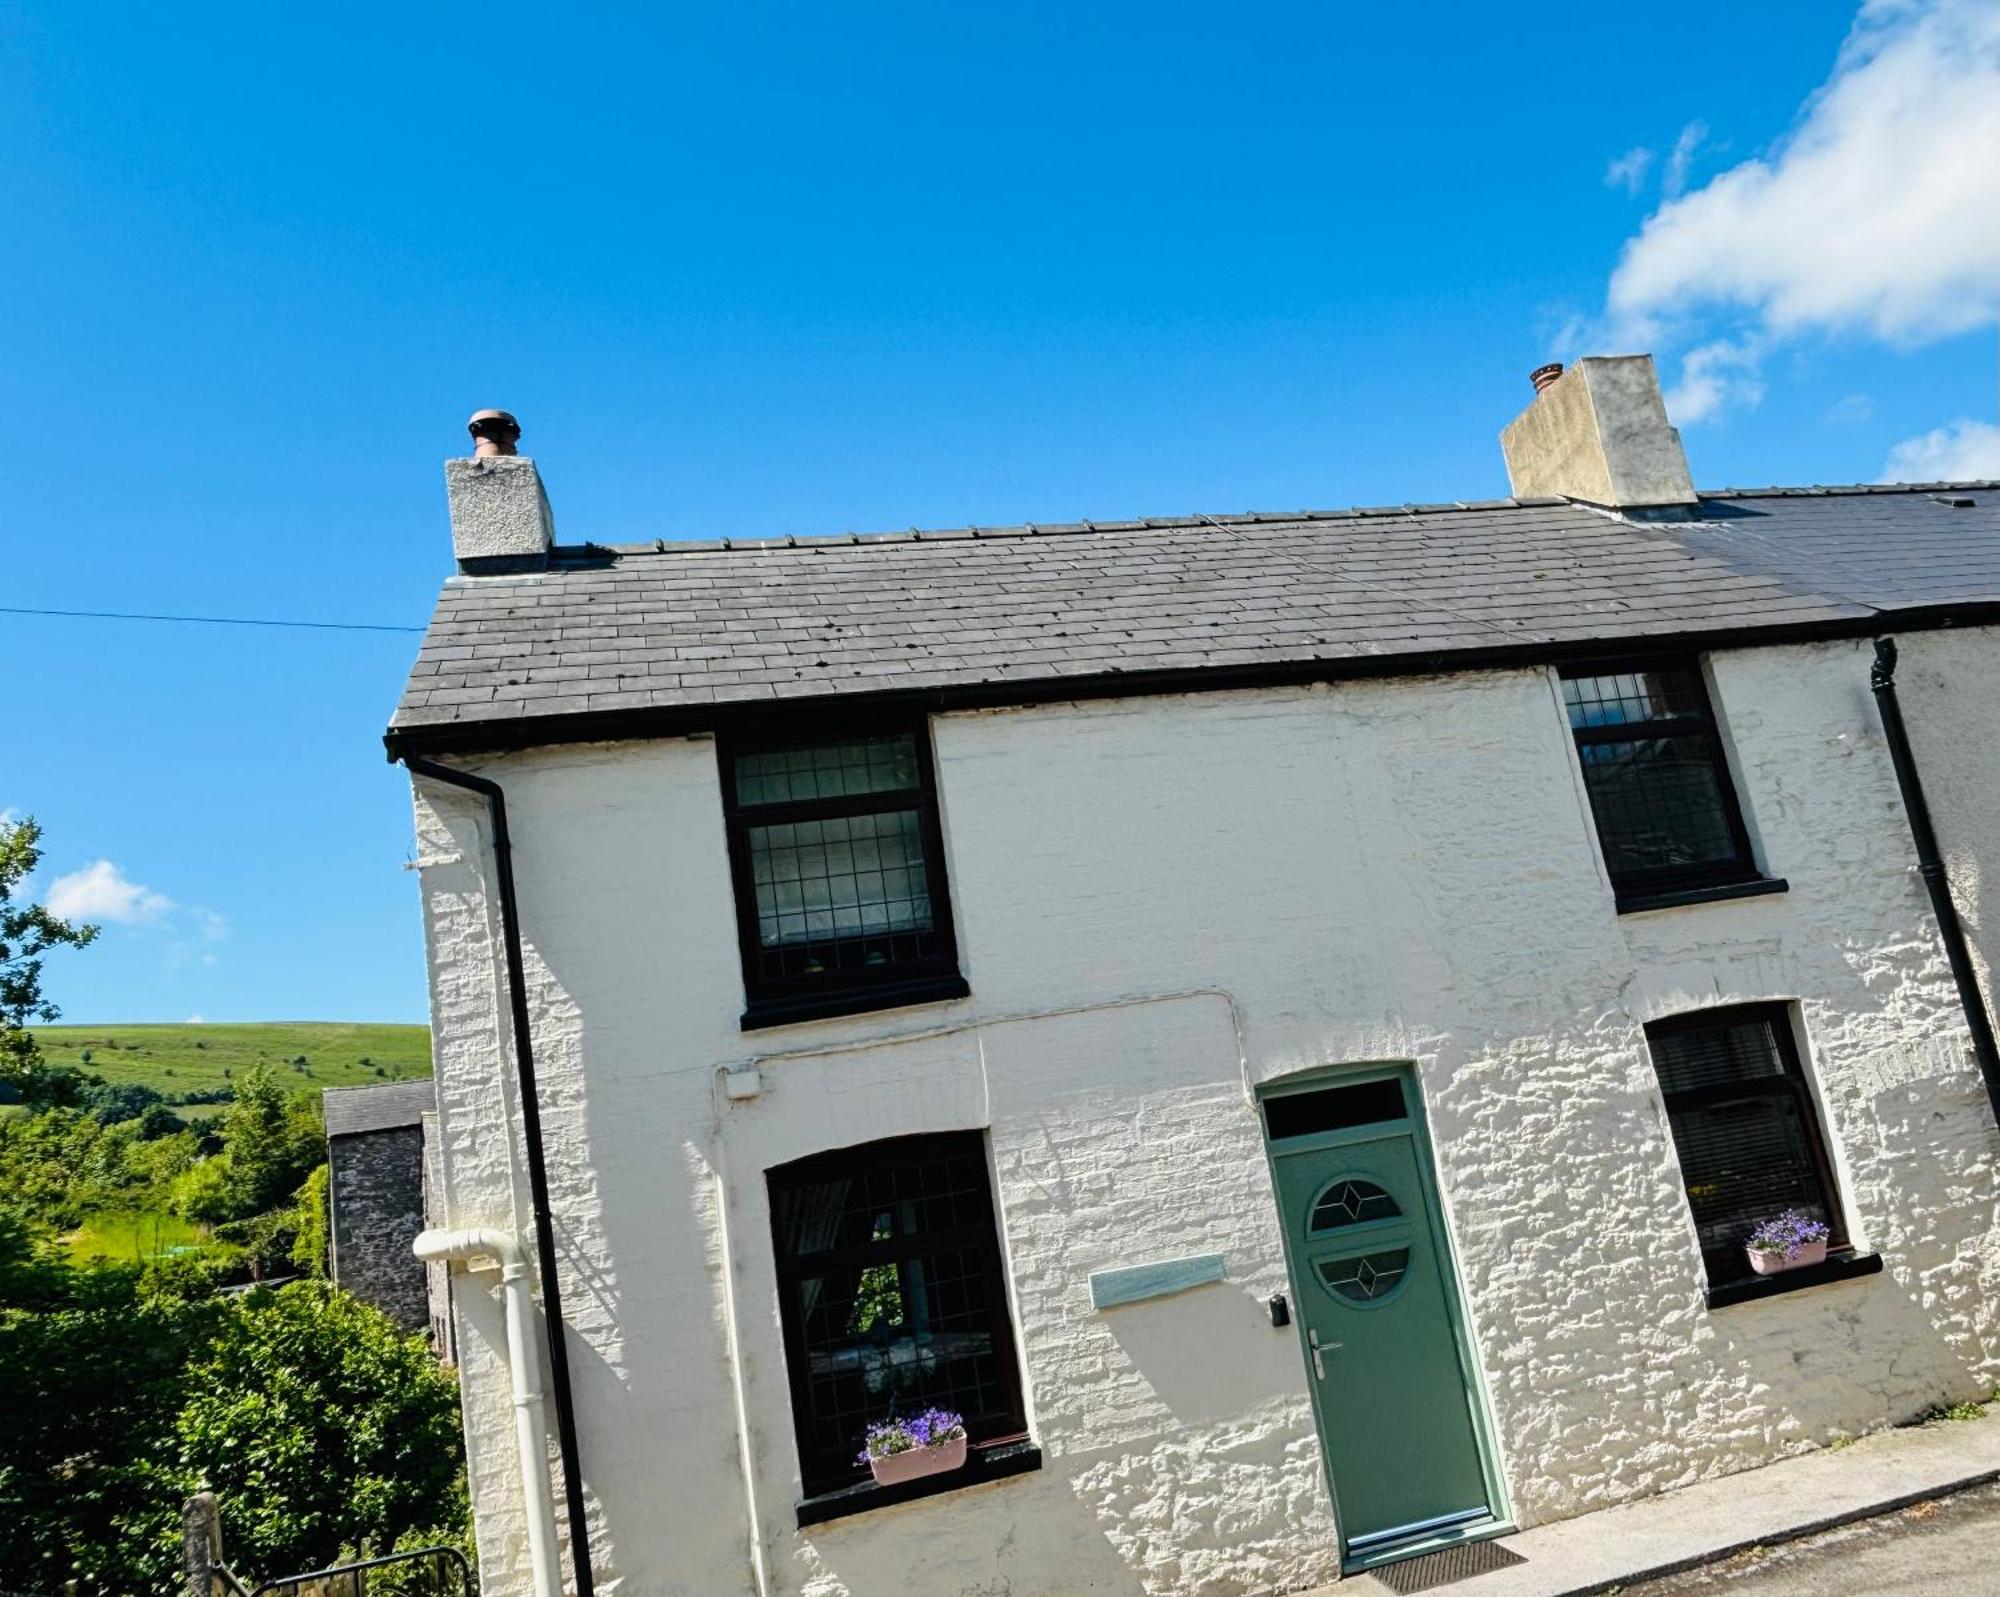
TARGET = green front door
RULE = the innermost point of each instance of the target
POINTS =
(1378, 1316)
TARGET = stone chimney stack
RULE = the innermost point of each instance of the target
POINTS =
(1598, 433)
(500, 517)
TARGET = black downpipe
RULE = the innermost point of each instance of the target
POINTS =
(1930, 866)
(538, 1172)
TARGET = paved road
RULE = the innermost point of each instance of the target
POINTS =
(1947, 1548)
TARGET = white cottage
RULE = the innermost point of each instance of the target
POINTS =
(1285, 1022)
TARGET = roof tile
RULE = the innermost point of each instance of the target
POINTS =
(665, 625)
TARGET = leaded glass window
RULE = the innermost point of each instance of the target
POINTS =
(1352, 1202)
(892, 1296)
(1660, 792)
(839, 871)
(1367, 1277)
(1745, 1127)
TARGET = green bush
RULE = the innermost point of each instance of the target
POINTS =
(309, 1250)
(95, 1372)
(320, 1426)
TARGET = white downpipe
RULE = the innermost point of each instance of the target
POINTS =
(530, 1434)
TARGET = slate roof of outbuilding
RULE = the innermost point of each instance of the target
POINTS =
(704, 627)
(394, 1104)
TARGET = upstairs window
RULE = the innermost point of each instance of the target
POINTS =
(1666, 811)
(839, 873)
(892, 1297)
(1745, 1127)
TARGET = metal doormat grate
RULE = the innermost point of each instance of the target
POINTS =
(1443, 1568)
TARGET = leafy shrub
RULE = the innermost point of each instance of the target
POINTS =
(159, 1121)
(126, 1101)
(309, 1248)
(320, 1426)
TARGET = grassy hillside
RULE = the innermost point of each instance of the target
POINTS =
(307, 1055)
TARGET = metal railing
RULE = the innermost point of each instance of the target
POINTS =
(427, 1572)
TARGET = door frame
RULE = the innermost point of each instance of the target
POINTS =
(1499, 1520)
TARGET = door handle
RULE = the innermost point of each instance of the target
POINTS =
(1318, 1348)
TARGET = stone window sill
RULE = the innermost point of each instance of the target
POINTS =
(1637, 903)
(854, 1001)
(1842, 1267)
(983, 1464)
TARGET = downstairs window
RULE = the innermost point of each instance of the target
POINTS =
(892, 1297)
(1745, 1127)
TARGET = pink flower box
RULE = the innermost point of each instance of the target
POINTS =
(892, 1469)
(1778, 1263)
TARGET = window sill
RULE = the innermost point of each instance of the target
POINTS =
(1846, 1267)
(983, 1464)
(853, 1001)
(1757, 887)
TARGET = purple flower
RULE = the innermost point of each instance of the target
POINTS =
(1791, 1233)
(927, 1429)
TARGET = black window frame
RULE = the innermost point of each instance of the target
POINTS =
(996, 1440)
(1791, 1083)
(778, 1001)
(1644, 888)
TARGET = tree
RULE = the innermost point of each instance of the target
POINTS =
(27, 932)
(127, 1100)
(271, 1139)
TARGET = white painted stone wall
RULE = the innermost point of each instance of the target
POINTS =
(1160, 903)
(1946, 682)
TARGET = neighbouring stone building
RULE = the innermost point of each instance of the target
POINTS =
(1285, 1021)
(377, 1148)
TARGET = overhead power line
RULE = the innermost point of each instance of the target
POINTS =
(206, 621)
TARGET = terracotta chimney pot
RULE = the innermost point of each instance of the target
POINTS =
(494, 432)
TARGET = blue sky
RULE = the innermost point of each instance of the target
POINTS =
(756, 269)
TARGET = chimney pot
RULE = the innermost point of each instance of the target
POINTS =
(500, 518)
(494, 432)
(1542, 376)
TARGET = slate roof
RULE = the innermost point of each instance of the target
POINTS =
(670, 633)
(394, 1104)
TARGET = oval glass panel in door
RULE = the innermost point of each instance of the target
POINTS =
(1367, 1277)
(1351, 1202)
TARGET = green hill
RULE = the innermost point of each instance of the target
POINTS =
(305, 1054)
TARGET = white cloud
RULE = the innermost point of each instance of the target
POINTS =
(196, 1020)
(1629, 170)
(1962, 452)
(1853, 409)
(1717, 374)
(1877, 215)
(100, 892)
(1674, 180)
(214, 928)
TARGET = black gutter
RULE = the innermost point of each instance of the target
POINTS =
(1930, 866)
(538, 1173)
(493, 734)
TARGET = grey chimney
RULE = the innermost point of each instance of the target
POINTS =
(1598, 433)
(500, 517)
